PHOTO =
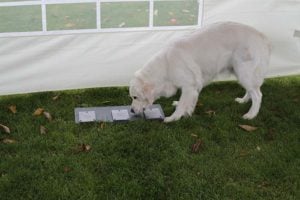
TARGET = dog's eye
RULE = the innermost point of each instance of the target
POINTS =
(134, 97)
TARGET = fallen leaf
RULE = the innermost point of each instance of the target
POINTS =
(258, 148)
(194, 135)
(199, 104)
(13, 109)
(55, 97)
(48, 116)
(8, 141)
(171, 13)
(243, 153)
(67, 169)
(70, 25)
(105, 102)
(43, 130)
(102, 125)
(173, 21)
(248, 128)
(185, 11)
(197, 146)
(38, 112)
(5, 128)
(83, 148)
(264, 184)
(87, 148)
(122, 24)
(211, 112)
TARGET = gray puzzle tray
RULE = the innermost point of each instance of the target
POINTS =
(116, 113)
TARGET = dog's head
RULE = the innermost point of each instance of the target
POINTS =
(142, 94)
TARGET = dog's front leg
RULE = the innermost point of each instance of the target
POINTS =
(185, 105)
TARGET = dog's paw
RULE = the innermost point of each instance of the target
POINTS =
(172, 118)
(240, 100)
(248, 116)
(175, 103)
(168, 119)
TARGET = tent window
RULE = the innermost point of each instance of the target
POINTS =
(46, 17)
(20, 19)
(71, 16)
(125, 14)
(176, 13)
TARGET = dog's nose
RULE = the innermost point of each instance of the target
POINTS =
(131, 110)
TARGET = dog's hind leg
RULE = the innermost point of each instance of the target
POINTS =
(185, 105)
(251, 79)
(256, 97)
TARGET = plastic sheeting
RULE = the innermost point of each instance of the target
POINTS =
(45, 63)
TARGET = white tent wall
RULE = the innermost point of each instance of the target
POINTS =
(59, 62)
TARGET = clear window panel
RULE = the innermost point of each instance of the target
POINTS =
(71, 16)
(16, 0)
(175, 13)
(125, 14)
(20, 19)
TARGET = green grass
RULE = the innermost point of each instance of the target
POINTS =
(150, 159)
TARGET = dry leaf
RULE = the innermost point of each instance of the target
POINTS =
(70, 25)
(105, 102)
(43, 130)
(8, 141)
(48, 116)
(185, 11)
(67, 169)
(248, 128)
(5, 128)
(210, 112)
(83, 148)
(38, 112)
(13, 109)
(197, 146)
(55, 97)
(173, 21)
(199, 104)
(87, 148)
(102, 125)
(264, 184)
(243, 153)
(258, 148)
(194, 135)
(122, 24)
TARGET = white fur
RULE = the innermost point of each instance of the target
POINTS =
(192, 62)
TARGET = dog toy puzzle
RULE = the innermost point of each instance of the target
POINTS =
(116, 114)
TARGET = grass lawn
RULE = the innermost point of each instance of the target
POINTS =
(150, 159)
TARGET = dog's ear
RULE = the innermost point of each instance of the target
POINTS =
(149, 92)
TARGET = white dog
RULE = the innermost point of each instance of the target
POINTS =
(192, 62)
